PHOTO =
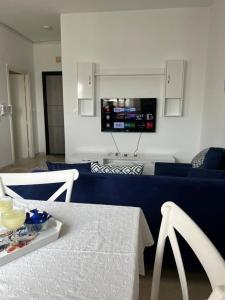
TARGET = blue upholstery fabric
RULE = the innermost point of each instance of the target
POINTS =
(214, 159)
(205, 173)
(202, 199)
(172, 169)
(82, 167)
(38, 191)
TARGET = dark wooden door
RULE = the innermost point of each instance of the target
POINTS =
(54, 119)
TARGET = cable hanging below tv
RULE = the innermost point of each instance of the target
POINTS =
(128, 114)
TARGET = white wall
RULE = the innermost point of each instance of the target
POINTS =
(44, 60)
(17, 52)
(213, 128)
(129, 40)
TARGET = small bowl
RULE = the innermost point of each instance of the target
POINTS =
(37, 227)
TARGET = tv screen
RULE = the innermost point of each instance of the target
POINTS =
(128, 114)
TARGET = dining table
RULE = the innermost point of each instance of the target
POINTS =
(99, 255)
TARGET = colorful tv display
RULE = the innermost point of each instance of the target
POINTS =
(128, 114)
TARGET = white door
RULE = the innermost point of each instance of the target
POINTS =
(19, 115)
(5, 132)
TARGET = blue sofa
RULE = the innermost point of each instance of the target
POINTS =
(202, 198)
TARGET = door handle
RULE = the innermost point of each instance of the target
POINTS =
(168, 79)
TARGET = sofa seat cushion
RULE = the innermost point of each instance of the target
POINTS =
(134, 169)
(214, 159)
(81, 167)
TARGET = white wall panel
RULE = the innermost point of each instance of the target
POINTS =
(18, 54)
(136, 40)
(213, 126)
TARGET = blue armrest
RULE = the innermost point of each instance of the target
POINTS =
(172, 169)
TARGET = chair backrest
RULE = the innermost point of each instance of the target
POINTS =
(174, 218)
(67, 177)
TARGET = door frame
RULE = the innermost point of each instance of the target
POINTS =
(44, 76)
(28, 101)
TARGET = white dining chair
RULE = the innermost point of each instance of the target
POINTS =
(67, 177)
(174, 218)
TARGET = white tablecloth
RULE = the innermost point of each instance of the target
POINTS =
(99, 255)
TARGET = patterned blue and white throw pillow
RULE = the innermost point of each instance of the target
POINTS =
(197, 161)
(134, 169)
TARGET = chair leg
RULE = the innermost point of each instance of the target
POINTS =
(218, 293)
(179, 263)
(158, 260)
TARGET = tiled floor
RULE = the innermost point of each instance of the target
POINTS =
(199, 287)
(198, 284)
(28, 164)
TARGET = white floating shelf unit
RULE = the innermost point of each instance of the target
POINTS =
(86, 89)
(174, 88)
(134, 72)
(173, 75)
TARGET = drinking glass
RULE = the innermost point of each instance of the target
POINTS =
(13, 220)
(6, 204)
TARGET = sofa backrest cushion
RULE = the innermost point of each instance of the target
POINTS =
(204, 173)
(172, 169)
(214, 159)
(81, 167)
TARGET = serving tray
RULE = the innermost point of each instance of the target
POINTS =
(43, 238)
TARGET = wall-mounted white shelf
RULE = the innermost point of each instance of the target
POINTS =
(173, 107)
(86, 107)
(174, 88)
(173, 75)
(136, 72)
(86, 89)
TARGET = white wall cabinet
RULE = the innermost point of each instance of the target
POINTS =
(174, 88)
(86, 88)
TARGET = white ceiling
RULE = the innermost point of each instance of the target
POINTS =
(28, 16)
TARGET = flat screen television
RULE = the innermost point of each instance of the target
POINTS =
(128, 114)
